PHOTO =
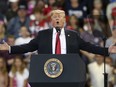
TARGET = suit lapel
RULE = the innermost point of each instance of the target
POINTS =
(67, 35)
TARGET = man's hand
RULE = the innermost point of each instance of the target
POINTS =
(112, 49)
(4, 46)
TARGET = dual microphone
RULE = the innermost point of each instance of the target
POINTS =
(58, 28)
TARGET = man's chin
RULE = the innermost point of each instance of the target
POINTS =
(59, 26)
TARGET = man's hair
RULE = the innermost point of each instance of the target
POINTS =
(10, 36)
(57, 12)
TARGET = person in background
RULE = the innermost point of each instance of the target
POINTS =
(25, 36)
(61, 4)
(115, 76)
(73, 24)
(9, 58)
(19, 73)
(40, 4)
(39, 23)
(109, 61)
(92, 36)
(112, 40)
(98, 5)
(22, 19)
(31, 6)
(96, 70)
(3, 73)
(2, 32)
(23, 39)
(3, 38)
(48, 6)
(12, 11)
(76, 7)
(10, 40)
(101, 23)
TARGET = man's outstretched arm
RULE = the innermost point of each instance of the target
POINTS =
(19, 49)
(96, 49)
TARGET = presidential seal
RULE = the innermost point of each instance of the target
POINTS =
(53, 68)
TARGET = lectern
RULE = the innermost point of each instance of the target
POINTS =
(52, 70)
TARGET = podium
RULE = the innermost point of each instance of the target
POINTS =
(69, 70)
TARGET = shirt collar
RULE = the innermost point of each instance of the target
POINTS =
(62, 31)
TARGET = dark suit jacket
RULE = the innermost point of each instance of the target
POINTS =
(43, 43)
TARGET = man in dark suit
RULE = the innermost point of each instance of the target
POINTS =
(45, 42)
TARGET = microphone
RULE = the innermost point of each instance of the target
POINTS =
(58, 30)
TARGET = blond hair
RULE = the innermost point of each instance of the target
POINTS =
(58, 12)
(3, 69)
(14, 68)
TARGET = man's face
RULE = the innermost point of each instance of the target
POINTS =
(38, 16)
(22, 13)
(58, 20)
(24, 32)
(14, 4)
(11, 41)
(99, 59)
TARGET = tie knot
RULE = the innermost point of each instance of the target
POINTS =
(58, 33)
(58, 30)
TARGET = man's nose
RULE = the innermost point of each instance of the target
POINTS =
(57, 19)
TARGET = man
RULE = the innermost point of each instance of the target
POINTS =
(96, 70)
(20, 20)
(12, 10)
(69, 43)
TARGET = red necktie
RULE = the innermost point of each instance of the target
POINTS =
(58, 46)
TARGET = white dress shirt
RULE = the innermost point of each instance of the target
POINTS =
(62, 41)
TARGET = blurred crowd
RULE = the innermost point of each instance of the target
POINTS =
(93, 20)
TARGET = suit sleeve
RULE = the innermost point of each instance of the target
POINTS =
(92, 48)
(31, 46)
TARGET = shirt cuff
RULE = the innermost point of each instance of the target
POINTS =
(9, 49)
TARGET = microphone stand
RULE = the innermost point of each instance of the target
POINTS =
(105, 73)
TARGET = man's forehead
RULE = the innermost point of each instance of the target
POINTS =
(57, 14)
